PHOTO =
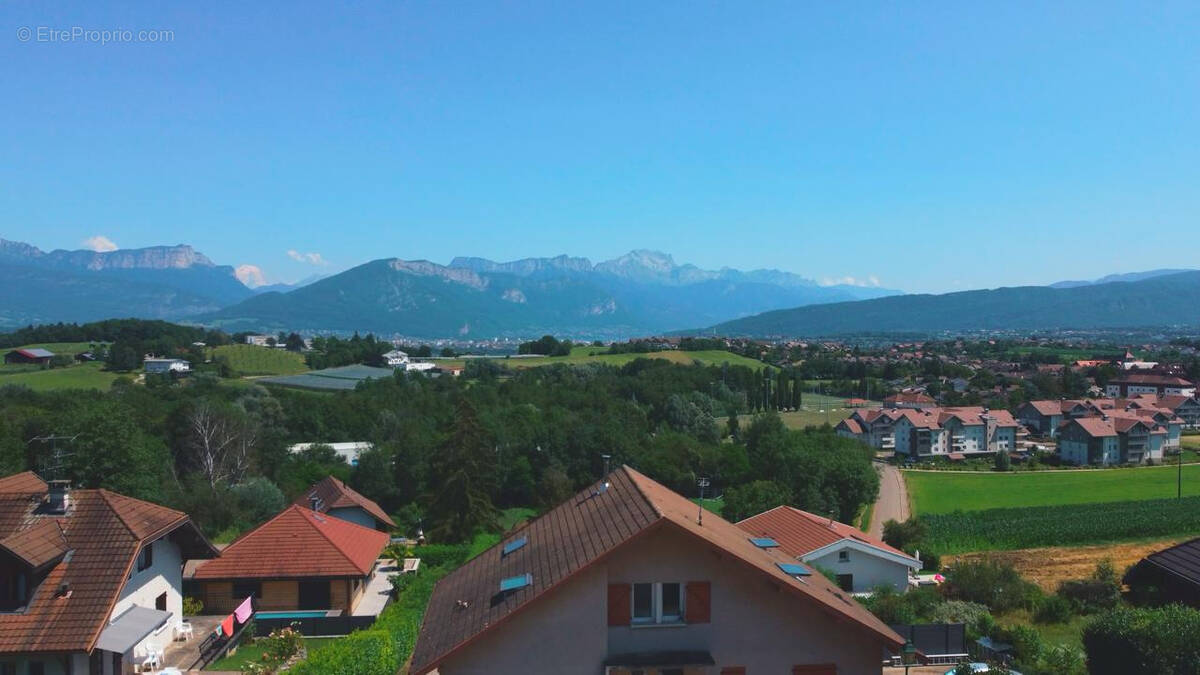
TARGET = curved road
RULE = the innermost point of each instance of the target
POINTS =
(893, 499)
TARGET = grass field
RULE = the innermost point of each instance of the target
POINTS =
(60, 347)
(583, 355)
(252, 653)
(815, 410)
(83, 376)
(947, 491)
(252, 360)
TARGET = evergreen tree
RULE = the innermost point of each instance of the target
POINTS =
(463, 479)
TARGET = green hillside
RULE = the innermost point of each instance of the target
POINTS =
(1160, 301)
(252, 360)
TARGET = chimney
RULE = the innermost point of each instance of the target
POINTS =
(58, 497)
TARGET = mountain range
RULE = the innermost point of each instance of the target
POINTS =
(638, 293)
(1157, 301)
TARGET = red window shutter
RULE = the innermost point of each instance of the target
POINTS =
(698, 605)
(619, 612)
(815, 669)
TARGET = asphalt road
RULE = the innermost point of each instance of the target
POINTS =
(893, 499)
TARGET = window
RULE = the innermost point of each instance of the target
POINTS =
(658, 603)
(8, 669)
(244, 589)
(37, 668)
(146, 557)
(160, 603)
(843, 556)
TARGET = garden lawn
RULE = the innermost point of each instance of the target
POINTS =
(251, 653)
(947, 491)
(83, 376)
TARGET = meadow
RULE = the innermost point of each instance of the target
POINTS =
(82, 376)
(946, 491)
(584, 355)
(252, 360)
(815, 410)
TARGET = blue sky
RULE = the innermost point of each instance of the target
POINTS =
(933, 146)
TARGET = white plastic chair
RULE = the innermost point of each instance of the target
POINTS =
(183, 629)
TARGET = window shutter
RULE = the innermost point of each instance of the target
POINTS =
(698, 607)
(619, 612)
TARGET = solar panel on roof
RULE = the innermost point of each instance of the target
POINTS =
(515, 583)
(794, 570)
(764, 542)
(513, 546)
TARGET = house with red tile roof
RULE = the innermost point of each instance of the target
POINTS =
(912, 400)
(859, 561)
(955, 433)
(299, 560)
(629, 577)
(330, 495)
(1160, 385)
(1106, 439)
(88, 578)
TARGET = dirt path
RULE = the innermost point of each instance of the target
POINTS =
(1048, 567)
(893, 499)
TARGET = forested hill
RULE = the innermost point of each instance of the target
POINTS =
(1160, 301)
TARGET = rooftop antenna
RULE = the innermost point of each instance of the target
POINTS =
(52, 466)
(606, 458)
(702, 483)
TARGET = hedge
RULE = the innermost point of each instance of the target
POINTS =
(1163, 641)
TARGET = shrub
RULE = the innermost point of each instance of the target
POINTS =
(364, 652)
(976, 616)
(1053, 609)
(192, 606)
(441, 555)
(989, 582)
(1062, 660)
(1097, 593)
(1165, 641)
(902, 535)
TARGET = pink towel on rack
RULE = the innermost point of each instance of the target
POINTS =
(227, 625)
(243, 611)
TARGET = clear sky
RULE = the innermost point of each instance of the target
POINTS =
(933, 146)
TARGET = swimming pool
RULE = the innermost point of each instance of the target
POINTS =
(291, 615)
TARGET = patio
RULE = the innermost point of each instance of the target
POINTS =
(379, 589)
(184, 655)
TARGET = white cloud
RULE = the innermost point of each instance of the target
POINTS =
(99, 243)
(868, 281)
(250, 275)
(310, 258)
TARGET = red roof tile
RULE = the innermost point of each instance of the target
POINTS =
(335, 494)
(584, 530)
(103, 532)
(800, 532)
(298, 543)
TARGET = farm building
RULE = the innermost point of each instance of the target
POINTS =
(1172, 573)
(34, 355)
(163, 366)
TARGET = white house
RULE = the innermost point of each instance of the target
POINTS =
(348, 451)
(259, 340)
(395, 358)
(161, 366)
(89, 579)
(860, 561)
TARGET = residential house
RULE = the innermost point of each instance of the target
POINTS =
(88, 578)
(1186, 408)
(34, 355)
(395, 358)
(1042, 418)
(1172, 574)
(260, 340)
(1127, 385)
(156, 366)
(951, 432)
(628, 577)
(1111, 439)
(298, 560)
(910, 400)
(331, 496)
(859, 561)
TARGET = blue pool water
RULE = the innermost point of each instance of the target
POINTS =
(290, 615)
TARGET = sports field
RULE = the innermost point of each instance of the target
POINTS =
(947, 491)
